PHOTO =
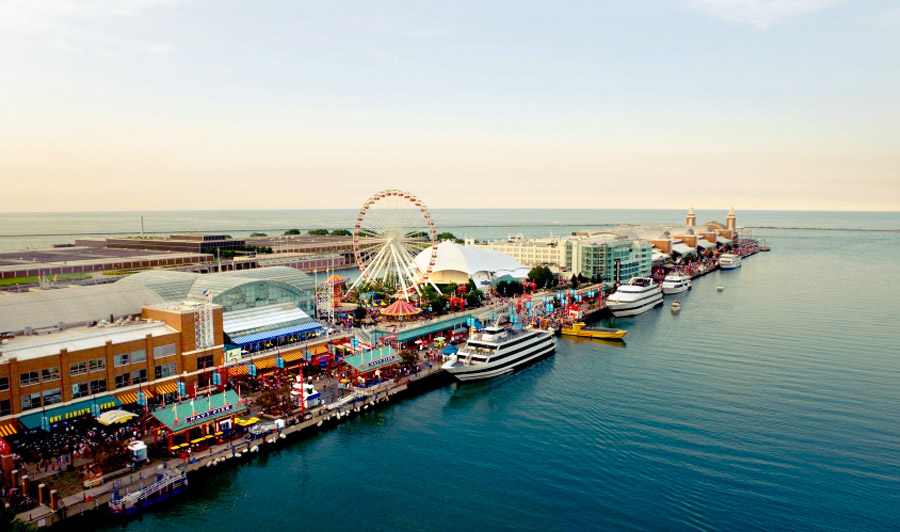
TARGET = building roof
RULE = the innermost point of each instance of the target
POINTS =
(683, 249)
(42, 309)
(80, 338)
(468, 259)
(705, 244)
(84, 304)
(270, 321)
(374, 359)
(204, 409)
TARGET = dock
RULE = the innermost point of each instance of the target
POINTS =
(137, 490)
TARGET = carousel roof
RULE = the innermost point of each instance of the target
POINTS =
(400, 308)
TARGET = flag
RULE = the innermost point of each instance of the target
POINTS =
(207, 293)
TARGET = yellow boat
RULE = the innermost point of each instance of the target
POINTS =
(579, 329)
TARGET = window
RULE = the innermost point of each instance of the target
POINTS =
(120, 360)
(166, 370)
(28, 378)
(138, 376)
(138, 356)
(80, 390)
(98, 386)
(123, 380)
(78, 368)
(52, 396)
(162, 351)
(97, 364)
(50, 374)
(206, 361)
(31, 400)
(4, 384)
(5, 407)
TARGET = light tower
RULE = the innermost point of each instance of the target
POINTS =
(730, 221)
(691, 219)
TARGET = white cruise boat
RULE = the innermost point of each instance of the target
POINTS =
(729, 261)
(675, 283)
(639, 295)
(498, 350)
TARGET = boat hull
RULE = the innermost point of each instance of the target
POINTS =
(675, 290)
(729, 266)
(606, 335)
(501, 365)
(633, 308)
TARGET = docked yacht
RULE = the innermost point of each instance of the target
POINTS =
(729, 261)
(498, 350)
(639, 295)
(675, 283)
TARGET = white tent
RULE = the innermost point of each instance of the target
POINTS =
(456, 263)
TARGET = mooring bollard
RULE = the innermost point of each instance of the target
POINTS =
(54, 500)
(41, 488)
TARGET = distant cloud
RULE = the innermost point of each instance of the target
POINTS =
(158, 49)
(760, 13)
(60, 22)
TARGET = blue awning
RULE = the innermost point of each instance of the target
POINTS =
(70, 411)
(275, 333)
(450, 350)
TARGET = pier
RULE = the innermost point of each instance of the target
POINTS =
(143, 481)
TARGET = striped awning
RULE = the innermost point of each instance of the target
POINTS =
(240, 369)
(275, 333)
(318, 349)
(291, 357)
(265, 363)
(8, 428)
(167, 387)
(130, 397)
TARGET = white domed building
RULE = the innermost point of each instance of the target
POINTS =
(456, 263)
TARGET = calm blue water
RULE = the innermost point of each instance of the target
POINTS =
(773, 405)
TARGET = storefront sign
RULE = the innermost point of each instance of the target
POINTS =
(210, 413)
(383, 360)
(232, 355)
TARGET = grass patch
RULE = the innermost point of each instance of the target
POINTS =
(34, 279)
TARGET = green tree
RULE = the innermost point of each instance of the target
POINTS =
(574, 281)
(408, 359)
(360, 313)
(253, 235)
(317, 232)
(341, 232)
(542, 277)
(292, 232)
(448, 236)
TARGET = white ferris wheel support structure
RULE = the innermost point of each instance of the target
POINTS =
(391, 229)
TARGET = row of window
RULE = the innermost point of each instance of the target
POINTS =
(92, 365)
(82, 367)
(34, 377)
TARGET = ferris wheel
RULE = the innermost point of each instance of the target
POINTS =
(392, 228)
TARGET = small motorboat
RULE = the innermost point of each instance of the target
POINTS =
(579, 329)
(720, 288)
(676, 306)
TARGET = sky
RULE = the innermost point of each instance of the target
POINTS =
(112, 105)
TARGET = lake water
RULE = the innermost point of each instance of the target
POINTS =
(772, 405)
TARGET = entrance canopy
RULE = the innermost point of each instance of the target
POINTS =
(374, 359)
(200, 410)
